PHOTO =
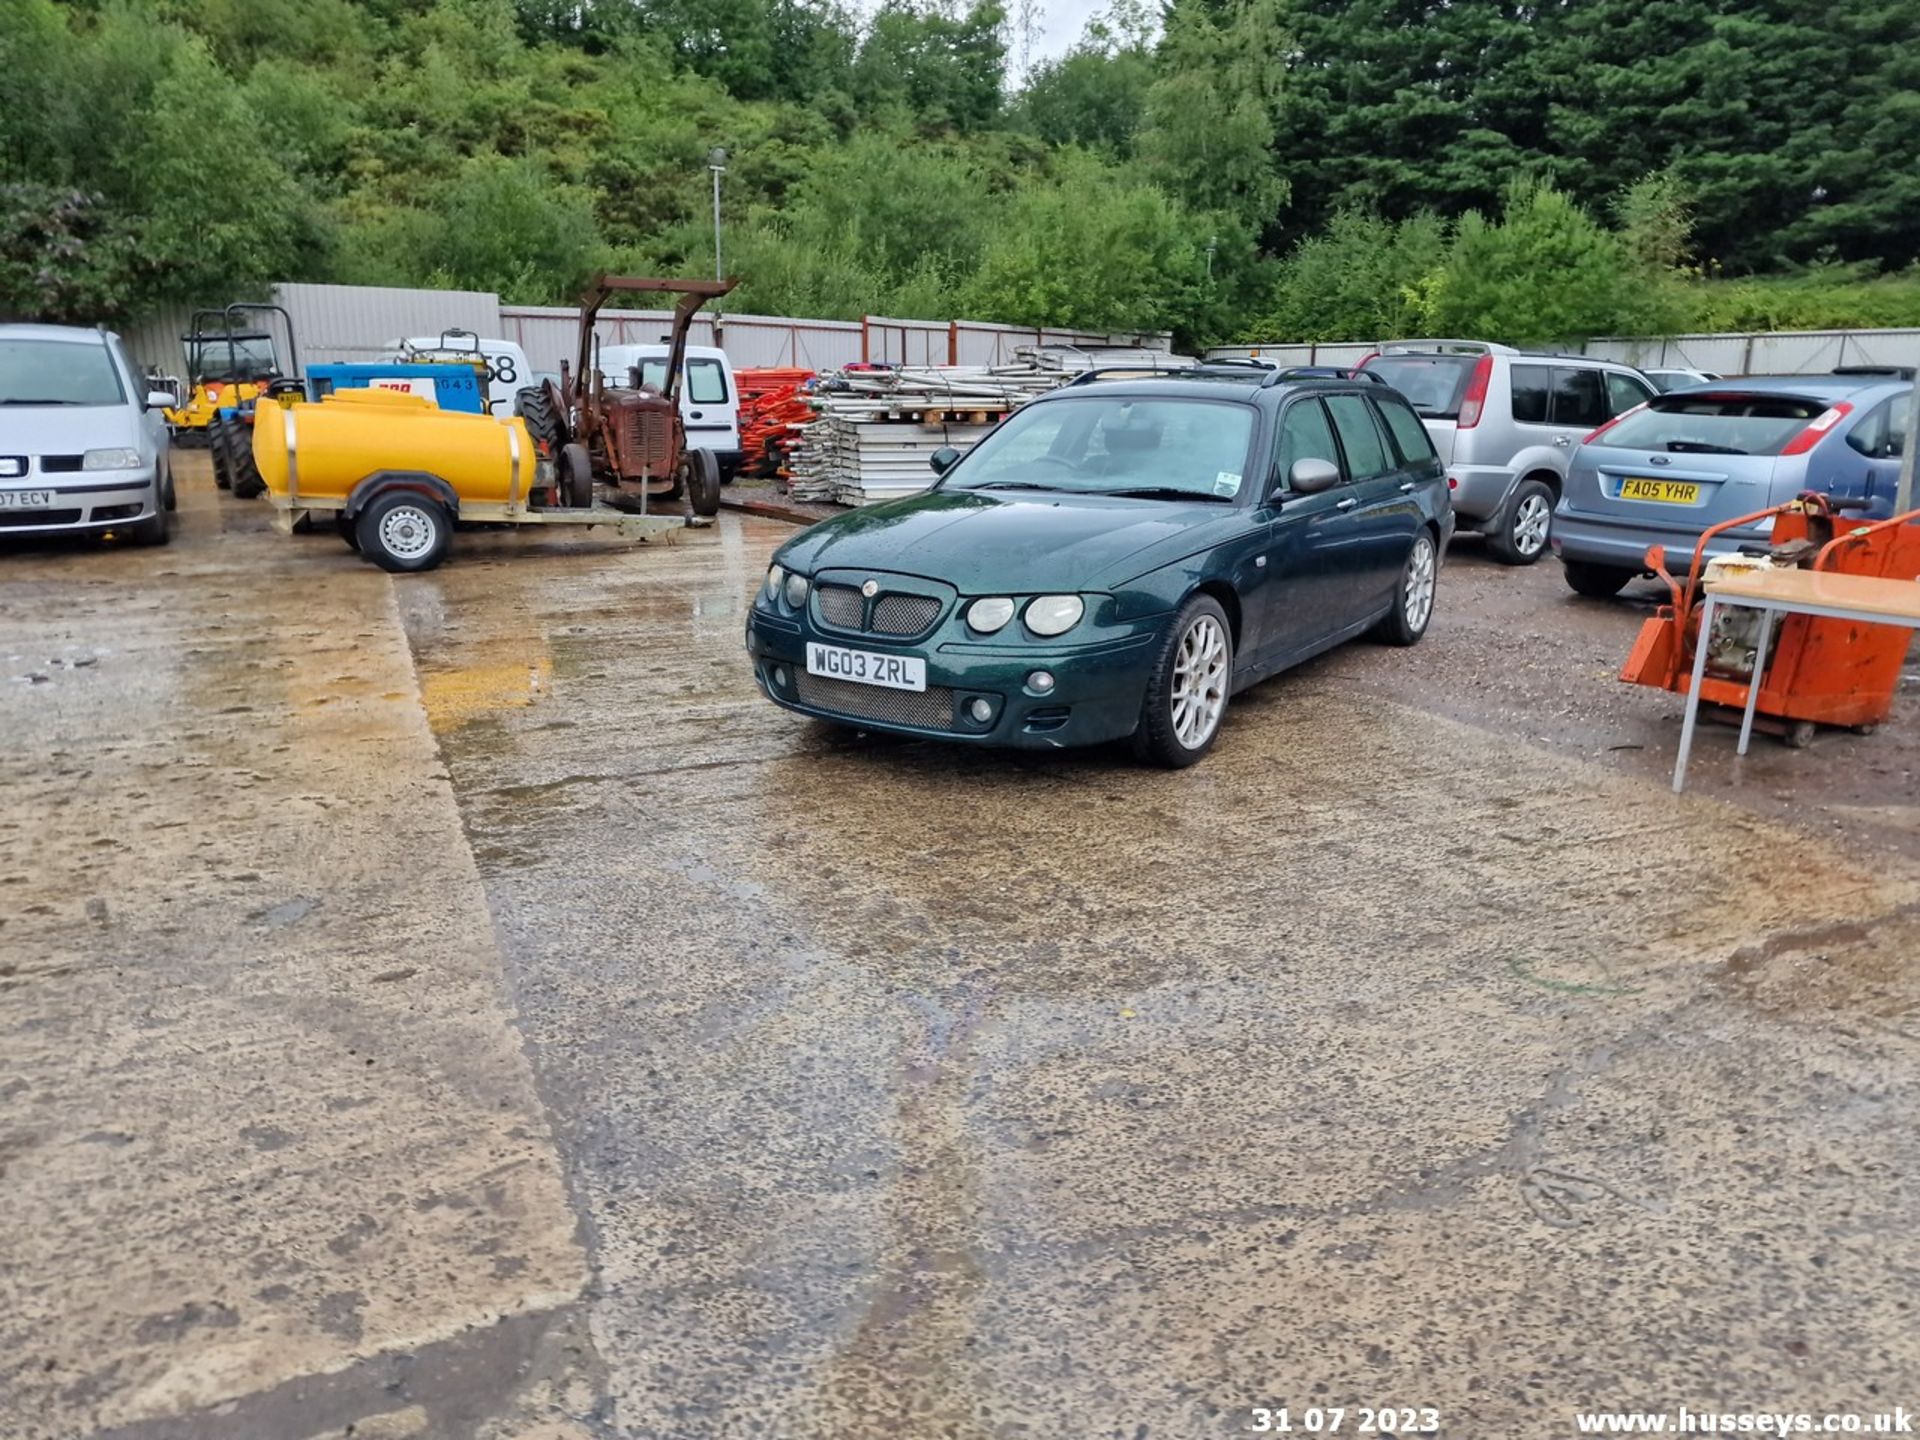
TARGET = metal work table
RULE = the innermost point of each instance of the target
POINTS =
(1865, 599)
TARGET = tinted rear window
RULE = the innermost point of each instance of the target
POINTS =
(1715, 423)
(1432, 384)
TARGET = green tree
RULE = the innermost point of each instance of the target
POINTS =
(1096, 94)
(931, 68)
(1210, 131)
(509, 228)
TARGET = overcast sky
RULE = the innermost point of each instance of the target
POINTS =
(1061, 22)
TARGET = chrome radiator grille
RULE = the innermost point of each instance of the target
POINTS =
(929, 709)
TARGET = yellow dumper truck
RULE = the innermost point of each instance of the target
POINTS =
(397, 474)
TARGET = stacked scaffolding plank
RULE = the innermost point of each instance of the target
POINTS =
(877, 429)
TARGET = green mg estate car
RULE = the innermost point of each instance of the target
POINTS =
(1118, 558)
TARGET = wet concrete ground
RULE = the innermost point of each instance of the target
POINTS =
(458, 1006)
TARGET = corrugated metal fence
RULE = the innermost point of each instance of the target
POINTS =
(358, 322)
(1779, 352)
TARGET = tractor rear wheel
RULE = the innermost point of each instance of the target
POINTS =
(248, 482)
(574, 481)
(544, 421)
(217, 452)
(699, 475)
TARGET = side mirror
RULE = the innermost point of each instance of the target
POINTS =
(943, 459)
(1312, 475)
(161, 400)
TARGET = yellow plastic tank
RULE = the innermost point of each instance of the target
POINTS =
(320, 452)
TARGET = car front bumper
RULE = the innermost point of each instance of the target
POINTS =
(1096, 695)
(82, 500)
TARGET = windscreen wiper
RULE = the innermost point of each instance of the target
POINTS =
(1015, 485)
(39, 402)
(1169, 492)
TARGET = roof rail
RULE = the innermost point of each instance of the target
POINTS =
(1445, 347)
(1284, 374)
(1172, 372)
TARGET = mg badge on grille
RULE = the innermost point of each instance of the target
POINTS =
(870, 589)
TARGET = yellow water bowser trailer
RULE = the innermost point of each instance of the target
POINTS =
(397, 474)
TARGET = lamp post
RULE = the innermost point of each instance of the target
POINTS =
(717, 163)
(1213, 244)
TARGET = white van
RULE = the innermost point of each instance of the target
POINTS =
(709, 401)
(507, 370)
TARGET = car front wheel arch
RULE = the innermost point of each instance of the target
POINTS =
(1228, 600)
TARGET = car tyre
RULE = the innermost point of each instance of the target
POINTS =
(404, 531)
(1597, 582)
(156, 529)
(1188, 687)
(1525, 525)
(1413, 596)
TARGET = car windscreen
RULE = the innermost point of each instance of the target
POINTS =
(706, 381)
(1110, 444)
(1433, 384)
(1715, 423)
(58, 372)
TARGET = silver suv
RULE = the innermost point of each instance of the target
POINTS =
(83, 443)
(1506, 423)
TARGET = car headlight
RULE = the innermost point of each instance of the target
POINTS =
(796, 590)
(987, 616)
(776, 577)
(1055, 614)
(111, 460)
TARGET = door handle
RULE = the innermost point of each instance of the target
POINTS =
(1346, 504)
(1408, 488)
(1563, 441)
(695, 415)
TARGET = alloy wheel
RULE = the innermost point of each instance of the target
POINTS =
(1199, 682)
(1530, 524)
(1418, 603)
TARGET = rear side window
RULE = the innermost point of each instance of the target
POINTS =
(1305, 434)
(1715, 423)
(1532, 385)
(1360, 437)
(1579, 398)
(1409, 435)
(1433, 384)
(1882, 435)
(1624, 392)
(706, 382)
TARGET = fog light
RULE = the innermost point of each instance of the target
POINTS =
(980, 709)
(1040, 682)
(780, 676)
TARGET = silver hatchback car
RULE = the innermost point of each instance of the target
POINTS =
(1506, 423)
(83, 444)
(1693, 458)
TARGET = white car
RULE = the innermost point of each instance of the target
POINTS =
(507, 370)
(709, 400)
(83, 442)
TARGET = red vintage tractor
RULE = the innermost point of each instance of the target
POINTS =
(629, 438)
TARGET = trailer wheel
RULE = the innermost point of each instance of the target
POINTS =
(404, 531)
(700, 477)
(544, 423)
(217, 452)
(575, 478)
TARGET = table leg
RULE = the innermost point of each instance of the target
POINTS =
(1753, 689)
(1693, 694)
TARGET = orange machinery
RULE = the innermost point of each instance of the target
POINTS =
(1818, 671)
